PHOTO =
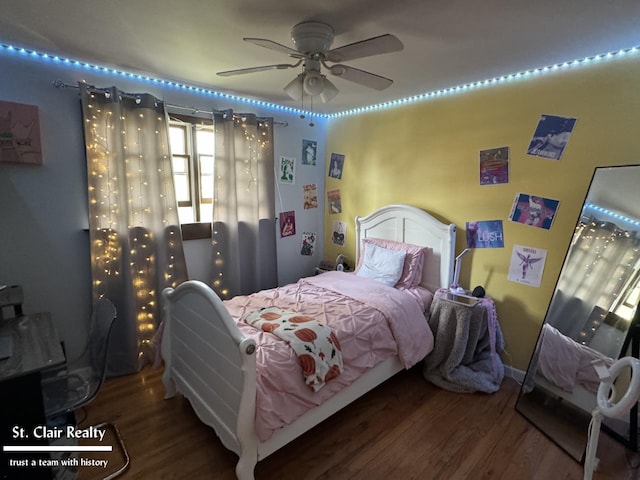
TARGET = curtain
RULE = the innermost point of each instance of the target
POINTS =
(244, 227)
(136, 243)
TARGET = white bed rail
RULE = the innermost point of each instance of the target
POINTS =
(212, 364)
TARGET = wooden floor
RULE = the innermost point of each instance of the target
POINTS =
(405, 429)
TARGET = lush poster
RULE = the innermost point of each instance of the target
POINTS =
(485, 234)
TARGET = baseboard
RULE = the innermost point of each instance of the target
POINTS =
(514, 373)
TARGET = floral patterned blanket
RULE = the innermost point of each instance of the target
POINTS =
(315, 344)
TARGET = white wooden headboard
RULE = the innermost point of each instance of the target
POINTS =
(404, 223)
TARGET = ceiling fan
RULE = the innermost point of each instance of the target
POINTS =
(312, 41)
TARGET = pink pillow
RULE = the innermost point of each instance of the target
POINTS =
(413, 261)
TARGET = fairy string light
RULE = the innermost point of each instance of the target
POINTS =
(131, 219)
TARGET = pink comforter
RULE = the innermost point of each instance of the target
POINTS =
(372, 323)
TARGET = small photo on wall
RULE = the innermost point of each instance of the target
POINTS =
(535, 211)
(494, 166)
(339, 232)
(551, 136)
(336, 164)
(309, 152)
(287, 223)
(310, 195)
(527, 265)
(308, 243)
(287, 170)
(334, 201)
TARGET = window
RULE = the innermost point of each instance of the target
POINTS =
(192, 151)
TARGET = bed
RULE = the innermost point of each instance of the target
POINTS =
(210, 353)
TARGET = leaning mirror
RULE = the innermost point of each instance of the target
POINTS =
(593, 314)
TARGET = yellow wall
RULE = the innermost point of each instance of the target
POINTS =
(426, 154)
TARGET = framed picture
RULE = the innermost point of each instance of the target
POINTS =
(19, 134)
(287, 172)
(309, 152)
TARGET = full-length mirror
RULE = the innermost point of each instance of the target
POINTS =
(592, 314)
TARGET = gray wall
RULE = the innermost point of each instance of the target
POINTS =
(43, 212)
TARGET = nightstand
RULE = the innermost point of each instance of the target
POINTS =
(319, 270)
(467, 343)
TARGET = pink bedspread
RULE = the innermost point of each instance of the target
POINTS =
(372, 323)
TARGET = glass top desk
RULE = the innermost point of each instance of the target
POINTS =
(35, 347)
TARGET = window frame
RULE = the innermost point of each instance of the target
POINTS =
(198, 229)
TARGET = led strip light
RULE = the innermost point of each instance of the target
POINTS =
(390, 104)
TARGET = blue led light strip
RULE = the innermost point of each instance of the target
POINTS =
(612, 214)
(145, 78)
(391, 104)
(493, 81)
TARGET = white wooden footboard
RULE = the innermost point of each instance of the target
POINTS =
(212, 364)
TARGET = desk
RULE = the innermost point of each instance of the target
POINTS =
(36, 347)
(467, 342)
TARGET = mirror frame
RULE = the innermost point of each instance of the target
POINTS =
(564, 422)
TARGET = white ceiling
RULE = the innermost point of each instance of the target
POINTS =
(446, 42)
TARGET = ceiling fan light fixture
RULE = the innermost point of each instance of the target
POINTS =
(329, 92)
(313, 83)
(295, 87)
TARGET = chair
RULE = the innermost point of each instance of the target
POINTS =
(79, 383)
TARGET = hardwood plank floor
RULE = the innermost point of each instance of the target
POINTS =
(405, 429)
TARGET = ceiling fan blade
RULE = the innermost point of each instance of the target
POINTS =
(271, 45)
(365, 48)
(242, 71)
(361, 77)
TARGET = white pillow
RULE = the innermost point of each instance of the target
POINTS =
(382, 264)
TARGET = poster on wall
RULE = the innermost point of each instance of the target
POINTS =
(310, 196)
(551, 136)
(20, 134)
(532, 210)
(485, 234)
(308, 243)
(334, 201)
(527, 265)
(287, 170)
(309, 151)
(336, 165)
(494, 166)
(339, 232)
(287, 223)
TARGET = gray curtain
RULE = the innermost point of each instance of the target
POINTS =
(136, 243)
(244, 227)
